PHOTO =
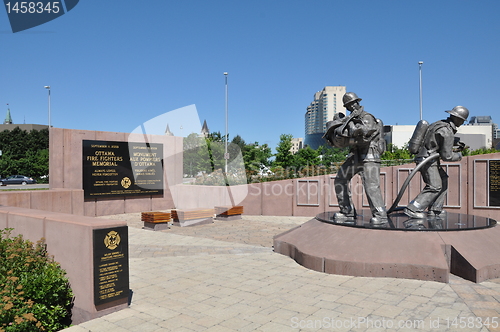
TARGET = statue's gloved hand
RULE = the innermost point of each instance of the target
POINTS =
(339, 141)
(358, 131)
(459, 146)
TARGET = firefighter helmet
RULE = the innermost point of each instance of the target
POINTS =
(350, 97)
(460, 112)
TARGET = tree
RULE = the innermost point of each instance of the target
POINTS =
(284, 158)
(191, 158)
(256, 157)
(216, 136)
(468, 152)
(306, 157)
(235, 148)
(24, 152)
(238, 141)
(393, 152)
(330, 155)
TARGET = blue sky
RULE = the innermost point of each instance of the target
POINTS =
(116, 64)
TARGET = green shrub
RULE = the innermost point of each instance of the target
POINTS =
(34, 293)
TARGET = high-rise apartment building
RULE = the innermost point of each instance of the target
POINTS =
(325, 105)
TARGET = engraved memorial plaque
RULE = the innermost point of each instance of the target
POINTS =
(113, 169)
(111, 267)
(494, 182)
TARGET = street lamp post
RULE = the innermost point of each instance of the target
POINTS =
(420, 63)
(48, 88)
(226, 155)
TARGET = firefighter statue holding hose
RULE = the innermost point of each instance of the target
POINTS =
(435, 141)
(362, 133)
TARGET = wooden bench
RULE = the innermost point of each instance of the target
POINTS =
(228, 212)
(191, 217)
(156, 221)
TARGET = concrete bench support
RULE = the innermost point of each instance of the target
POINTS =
(192, 217)
(228, 212)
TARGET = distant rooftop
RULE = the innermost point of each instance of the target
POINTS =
(481, 120)
(24, 126)
(8, 124)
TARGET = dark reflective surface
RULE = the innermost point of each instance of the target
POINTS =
(400, 221)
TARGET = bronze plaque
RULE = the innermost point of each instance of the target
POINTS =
(111, 268)
(113, 169)
(494, 182)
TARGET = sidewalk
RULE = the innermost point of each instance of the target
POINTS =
(225, 277)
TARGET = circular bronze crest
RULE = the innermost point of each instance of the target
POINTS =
(126, 183)
(112, 240)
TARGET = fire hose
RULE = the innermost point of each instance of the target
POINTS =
(407, 181)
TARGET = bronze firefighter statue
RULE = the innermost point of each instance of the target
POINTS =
(363, 134)
(435, 141)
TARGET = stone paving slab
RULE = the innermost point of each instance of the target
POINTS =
(221, 278)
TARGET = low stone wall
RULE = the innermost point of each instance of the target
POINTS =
(468, 191)
(69, 240)
(56, 200)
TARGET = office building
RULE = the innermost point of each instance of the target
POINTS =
(485, 121)
(477, 134)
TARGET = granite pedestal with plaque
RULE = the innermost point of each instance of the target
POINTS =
(92, 251)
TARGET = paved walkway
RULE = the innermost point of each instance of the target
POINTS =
(225, 277)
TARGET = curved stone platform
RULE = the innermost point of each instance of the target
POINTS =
(376, 252)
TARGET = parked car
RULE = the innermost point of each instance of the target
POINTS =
(17, 179)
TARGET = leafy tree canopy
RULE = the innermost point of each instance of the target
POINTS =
(284, 158)
(24, 152)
